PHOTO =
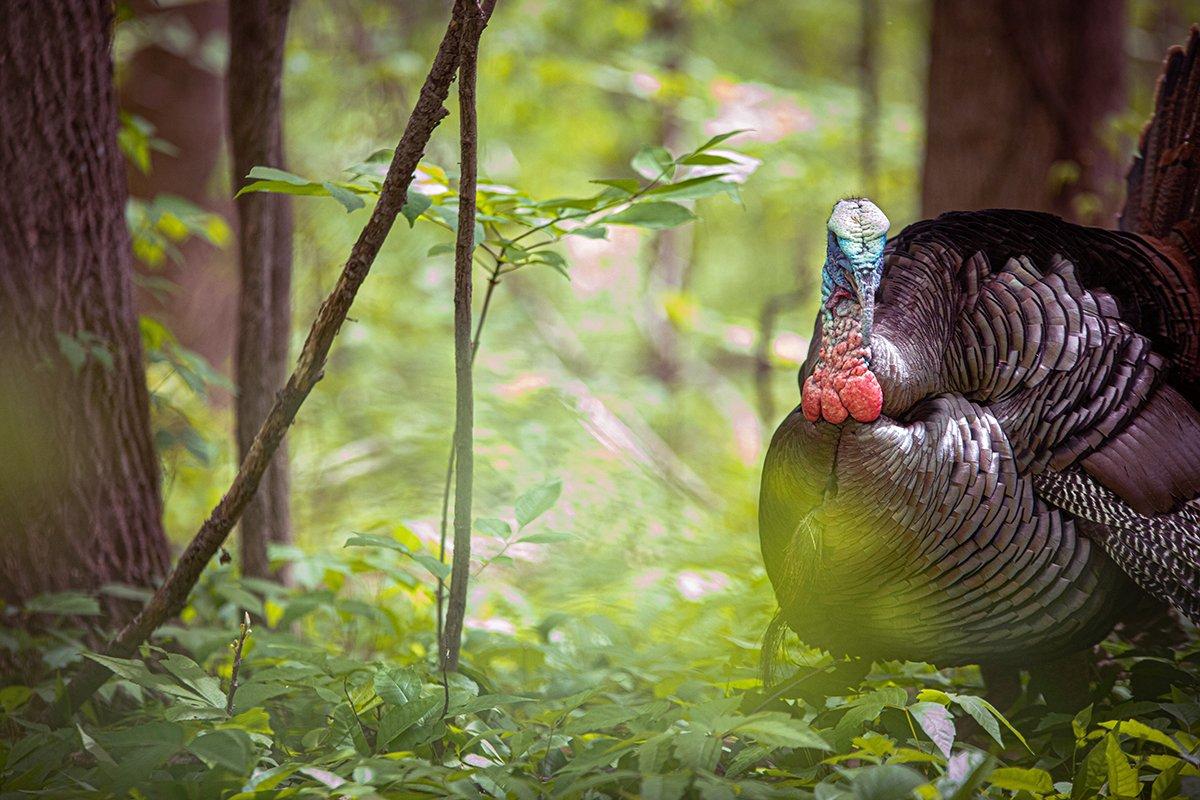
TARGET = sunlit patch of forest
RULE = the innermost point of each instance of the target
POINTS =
(648, 235)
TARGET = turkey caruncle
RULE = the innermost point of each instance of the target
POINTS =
(998, 441)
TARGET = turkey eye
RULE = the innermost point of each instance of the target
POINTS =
(843, 307)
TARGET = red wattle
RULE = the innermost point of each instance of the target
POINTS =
(810, 399)
(863, 397)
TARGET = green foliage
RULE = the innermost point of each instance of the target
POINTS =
(336, 698)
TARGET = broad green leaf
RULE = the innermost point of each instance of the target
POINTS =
(230, 749)
(397, 685)
(885, 782)
(348, 199)
(934, 696)
(1016, 779)
(706, 160)
(493, 527)
(697, 750)
(626, 185)
(536, 502)
(1122, 778)
(1081, 722)
(273, 174)
(716, 140)
(938, 724)
(64, 604)
(191, 675)
(703, 186)
(546, 537)
(653, 754)
(1167, 784)
(1140, 730)
(664, 787)
(781, 731)
(653, 162)
(415, 205)
(654, 215)
(72, 350)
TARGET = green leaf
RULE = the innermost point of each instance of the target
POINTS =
(395, 720)
(438, 568)
(546, 537)
(1122, 778)
(664, 787)
(64, 604)
(703, 186)
(1090, 775)
(273, 174)
(716, 140)
(1167, 784)
(72, 350)
(697, 750)
(653, 162)
(230, 749)
(1140, 730)
(886, 782)
(536, 502)
(414, 206)
(1081, 722)
(1015, 779)
(590, 232)
(935, 720)
(626, 185)
(191, 675)
(653, 754)
(441, 249)
(348, 199)
(779, 730)
(493, 527)
(654, 215)
(397, 685)
(706, 160)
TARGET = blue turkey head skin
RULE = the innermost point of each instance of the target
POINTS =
(842, 384)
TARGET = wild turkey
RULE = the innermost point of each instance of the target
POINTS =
(998, 440)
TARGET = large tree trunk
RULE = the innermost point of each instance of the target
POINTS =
(1018, 95)
(257, 32)
(79, 480)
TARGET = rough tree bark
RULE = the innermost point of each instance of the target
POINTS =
(1016, 88)
(257, 29)
(79, 480)
(172, 595)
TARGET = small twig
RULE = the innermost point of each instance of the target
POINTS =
(237, 646)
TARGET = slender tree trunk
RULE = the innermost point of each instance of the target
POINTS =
(667, 273)
(79, 480)
(257, 32)
(1018, 96)
(183, 97)
(868, 79)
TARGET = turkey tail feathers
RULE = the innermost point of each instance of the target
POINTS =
(1163, 184)
(1161, 553)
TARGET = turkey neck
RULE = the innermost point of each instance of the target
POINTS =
(842, 384)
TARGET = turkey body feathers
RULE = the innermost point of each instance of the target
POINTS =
(1038, 457)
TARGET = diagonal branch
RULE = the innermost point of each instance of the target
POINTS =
(172, 596)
